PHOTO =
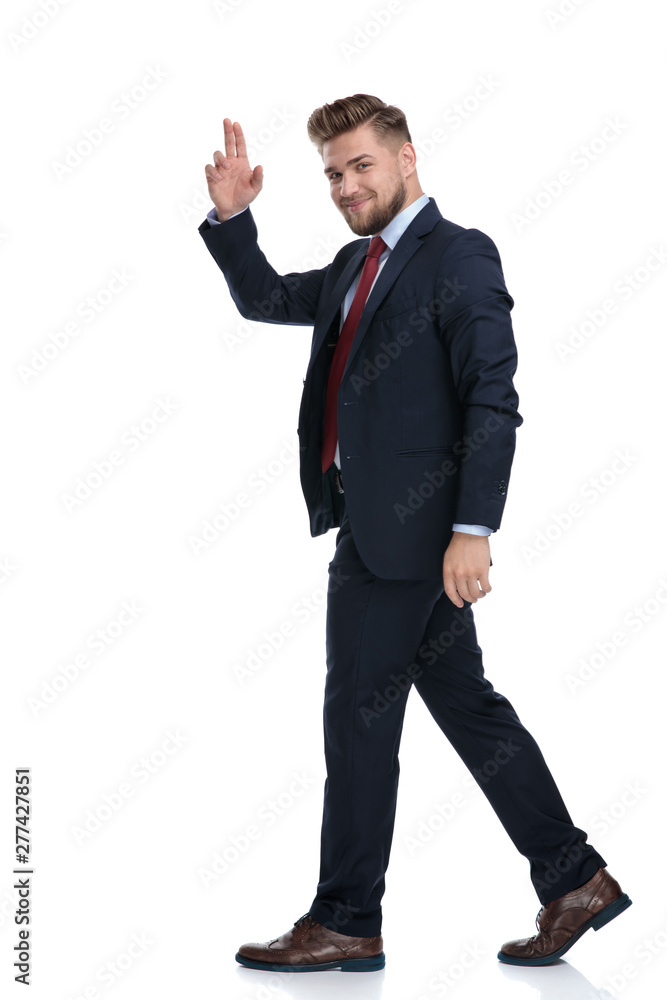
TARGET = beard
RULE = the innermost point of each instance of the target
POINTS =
(378, 216)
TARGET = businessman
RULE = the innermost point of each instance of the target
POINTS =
(406, 435)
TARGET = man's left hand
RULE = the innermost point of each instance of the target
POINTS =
(465, 568)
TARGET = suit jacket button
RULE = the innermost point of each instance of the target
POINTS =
(502, 487)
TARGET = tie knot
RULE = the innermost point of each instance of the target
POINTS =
(376, 248)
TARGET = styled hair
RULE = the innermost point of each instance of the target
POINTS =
(388, 122)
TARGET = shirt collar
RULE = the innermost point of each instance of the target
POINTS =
(392, 233)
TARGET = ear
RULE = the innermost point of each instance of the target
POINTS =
(407, 158)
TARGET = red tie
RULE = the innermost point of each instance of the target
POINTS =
(343, 346)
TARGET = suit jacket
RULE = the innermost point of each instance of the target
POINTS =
(427, 409)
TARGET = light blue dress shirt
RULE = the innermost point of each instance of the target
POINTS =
(391, 234)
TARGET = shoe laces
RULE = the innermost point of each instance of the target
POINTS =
(541, 916)
(305, 919)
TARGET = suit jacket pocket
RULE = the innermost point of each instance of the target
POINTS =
(444, 449)
(408, 306)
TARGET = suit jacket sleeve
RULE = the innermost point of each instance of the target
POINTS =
(259, 292)
(477, 333)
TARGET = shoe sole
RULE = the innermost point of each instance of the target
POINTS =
(345, 965)
(597, 921)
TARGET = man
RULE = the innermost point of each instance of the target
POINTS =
(407, 433)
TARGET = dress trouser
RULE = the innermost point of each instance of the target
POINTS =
(381, 637)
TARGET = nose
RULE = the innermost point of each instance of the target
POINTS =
(349, 186)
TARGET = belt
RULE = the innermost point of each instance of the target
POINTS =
(338, 479)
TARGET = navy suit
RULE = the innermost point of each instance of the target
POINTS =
(426, 409)
(427, 414)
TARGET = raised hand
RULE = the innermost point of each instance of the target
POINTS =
(232, 183)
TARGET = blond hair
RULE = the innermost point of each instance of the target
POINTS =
(388, 122)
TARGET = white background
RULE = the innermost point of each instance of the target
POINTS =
(132, 204)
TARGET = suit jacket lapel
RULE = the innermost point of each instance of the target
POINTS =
(336, 298)
(407, 245)
(398, 258)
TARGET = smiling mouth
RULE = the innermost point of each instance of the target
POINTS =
(354, 206)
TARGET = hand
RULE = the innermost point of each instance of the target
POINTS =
(232, 183)
(465, 568)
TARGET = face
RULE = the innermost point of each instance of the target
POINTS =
(367, 180)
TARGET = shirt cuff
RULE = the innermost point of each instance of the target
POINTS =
(473, 529)
(215, 221)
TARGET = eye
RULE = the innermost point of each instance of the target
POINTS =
(333, 176)
(364, 164)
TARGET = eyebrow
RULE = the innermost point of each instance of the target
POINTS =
(362, 156)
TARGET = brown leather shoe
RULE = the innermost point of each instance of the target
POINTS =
(310, 947)
(563, 921)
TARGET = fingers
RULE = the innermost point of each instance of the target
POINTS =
(469, 589)
(452, 592)
(240, 141)
(235, 148)
(220, 161)
(462, 588)
(465, 568)
(234, 140)
(258, 178)
(214, 173)
(230, 143)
